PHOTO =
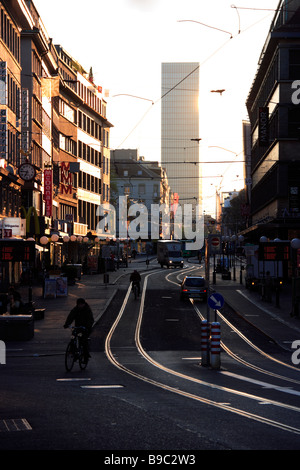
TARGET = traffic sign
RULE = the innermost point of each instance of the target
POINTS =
(215, 242)
(215, 301)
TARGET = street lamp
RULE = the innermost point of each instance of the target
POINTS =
(44, 241)
(54, 239)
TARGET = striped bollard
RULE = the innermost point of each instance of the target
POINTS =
(215, 345)
(204, 342)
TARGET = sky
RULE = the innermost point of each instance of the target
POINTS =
(125, 42)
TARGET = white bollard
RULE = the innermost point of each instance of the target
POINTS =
(215, 345)
(2, 353)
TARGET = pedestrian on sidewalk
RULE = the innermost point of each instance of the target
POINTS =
(14, 302)
(82, 315)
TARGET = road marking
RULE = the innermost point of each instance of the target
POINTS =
(11, 425)
(191, 358)
(74, 379)
(263, 384)
(102, 386)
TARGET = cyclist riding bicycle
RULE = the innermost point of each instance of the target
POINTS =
(83, 317)
(135, 278)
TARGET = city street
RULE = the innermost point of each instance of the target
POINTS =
(174, 154)
(145, 387)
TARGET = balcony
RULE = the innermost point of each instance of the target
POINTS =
(80, 229)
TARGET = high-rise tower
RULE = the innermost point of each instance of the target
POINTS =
(180, 129)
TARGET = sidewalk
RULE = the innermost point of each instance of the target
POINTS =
(276, 322)
(49, 335)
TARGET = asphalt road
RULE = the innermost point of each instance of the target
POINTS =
(105, 408)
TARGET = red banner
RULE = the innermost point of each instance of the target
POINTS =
(65, 178)
(48, 183)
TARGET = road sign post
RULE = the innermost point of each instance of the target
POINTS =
(214, 248)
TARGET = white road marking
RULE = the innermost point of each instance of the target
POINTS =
(102, 386)
(10, 425)
(262, 384)
(74, 379)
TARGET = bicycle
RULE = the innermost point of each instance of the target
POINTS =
(135, 290)
(75, 349)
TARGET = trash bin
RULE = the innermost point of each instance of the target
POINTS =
(16, 327)
(39, 314)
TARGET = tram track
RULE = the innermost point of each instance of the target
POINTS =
(181, 391)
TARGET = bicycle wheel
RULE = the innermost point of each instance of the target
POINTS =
(69, 357)
(83, 362)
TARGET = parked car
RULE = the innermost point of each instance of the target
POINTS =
(193, 287)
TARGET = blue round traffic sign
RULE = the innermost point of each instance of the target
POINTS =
(215, 301)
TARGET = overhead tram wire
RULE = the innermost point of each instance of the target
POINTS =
(188, 75)
(169, 91)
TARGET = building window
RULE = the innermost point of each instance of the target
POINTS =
(294, 122)
(66, 111)
(294, 64)
(67, 144)
(142, 189)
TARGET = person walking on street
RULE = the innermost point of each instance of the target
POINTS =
(82, 315)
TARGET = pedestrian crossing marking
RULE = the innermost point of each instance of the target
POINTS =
(11, 425)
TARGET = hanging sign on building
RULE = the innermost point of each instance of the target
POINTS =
(263, 126)
(48, 183)
(65, 178)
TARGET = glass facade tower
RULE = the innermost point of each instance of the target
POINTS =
(179, 126)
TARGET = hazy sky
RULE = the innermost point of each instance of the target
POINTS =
(125, 42)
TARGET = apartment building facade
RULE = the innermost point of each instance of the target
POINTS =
(11, 185)
(139, 180)
(275, 136)
(54, 140)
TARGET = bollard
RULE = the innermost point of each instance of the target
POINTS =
(2, 353)
(204, 342)
(215, 347)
